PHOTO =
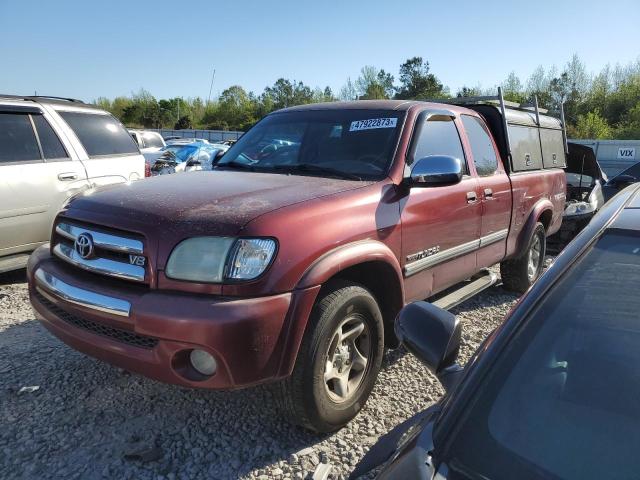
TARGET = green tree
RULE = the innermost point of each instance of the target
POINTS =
(374, 84)
(591, 125)
(184, 122)
(513, 90)
(418, 82)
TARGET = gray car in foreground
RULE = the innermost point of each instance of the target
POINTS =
(553, 392)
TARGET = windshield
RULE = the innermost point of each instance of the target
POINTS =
(563, 401)
(182, 153)
(348, 143)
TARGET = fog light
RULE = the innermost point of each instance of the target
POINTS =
(203, 362)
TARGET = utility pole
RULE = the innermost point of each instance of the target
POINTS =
(211, 87)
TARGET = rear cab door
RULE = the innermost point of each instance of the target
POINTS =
(440, 225)
(105, 147)
(39, 171)
(494, 189)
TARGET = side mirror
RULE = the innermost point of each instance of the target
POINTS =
(623, 180)
(433, 335)
(436, 170)
(218, 156)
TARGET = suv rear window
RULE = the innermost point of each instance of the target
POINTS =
(100, 134)
(152, 140)
(17, 141)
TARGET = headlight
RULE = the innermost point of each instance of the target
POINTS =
(250, 257)
(200, 259)
(206, 259)
(578, 208)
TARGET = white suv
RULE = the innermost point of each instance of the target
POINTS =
(51, 149)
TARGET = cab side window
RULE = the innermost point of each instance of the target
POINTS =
(438, 136)
(17, 139)
(484, 155)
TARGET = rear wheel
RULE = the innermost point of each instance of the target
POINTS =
(338, 361)
(518, 274)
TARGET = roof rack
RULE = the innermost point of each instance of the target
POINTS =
(34, 98)
(499, 101)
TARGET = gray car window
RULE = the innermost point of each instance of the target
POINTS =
(51, 146)
(100, 134)
(17, 140)
(484, 155)
(562, 400)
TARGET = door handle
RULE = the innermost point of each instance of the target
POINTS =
(488, 193)
(472, 197)
(67, 176)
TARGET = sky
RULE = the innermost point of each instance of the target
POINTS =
(88, 49)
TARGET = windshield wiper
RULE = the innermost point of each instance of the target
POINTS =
(237, 165)
(311, 168)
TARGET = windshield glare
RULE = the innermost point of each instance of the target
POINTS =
(182, 152)
(563, 400)
(354, 142)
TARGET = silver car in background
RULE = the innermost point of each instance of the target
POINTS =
(51, 149)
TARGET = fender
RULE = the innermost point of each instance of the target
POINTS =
(346, 256)
(319, 272)
(543, 205)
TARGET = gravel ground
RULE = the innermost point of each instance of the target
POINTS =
(89, 420)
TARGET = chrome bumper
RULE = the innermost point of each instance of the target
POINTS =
(53, 288)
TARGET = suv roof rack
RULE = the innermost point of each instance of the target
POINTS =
(34, 98)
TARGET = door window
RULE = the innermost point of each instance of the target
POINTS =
(52, 147)
(484, 155)
(100, 134)
(438, 136)
(17, 140)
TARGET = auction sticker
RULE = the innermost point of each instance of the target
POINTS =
(372, 123)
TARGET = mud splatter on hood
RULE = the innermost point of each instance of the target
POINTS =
(218, 202)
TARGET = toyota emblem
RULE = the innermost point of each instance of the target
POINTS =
(84, 245)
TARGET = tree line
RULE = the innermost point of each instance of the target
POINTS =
(602, 105)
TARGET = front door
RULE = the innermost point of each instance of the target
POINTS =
(440, 225)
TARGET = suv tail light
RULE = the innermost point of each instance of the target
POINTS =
(147, 169)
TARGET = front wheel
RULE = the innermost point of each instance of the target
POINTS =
(519, 273)
(338, 361)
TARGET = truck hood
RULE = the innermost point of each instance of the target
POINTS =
(205, 203)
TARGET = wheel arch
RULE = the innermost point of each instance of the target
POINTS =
(542, 212)
(369, 263)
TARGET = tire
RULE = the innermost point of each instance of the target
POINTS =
(518, 274)
(305, 398)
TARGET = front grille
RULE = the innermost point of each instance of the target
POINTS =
(103, 251)
(117, 334)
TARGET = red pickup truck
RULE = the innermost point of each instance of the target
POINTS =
(290, 261)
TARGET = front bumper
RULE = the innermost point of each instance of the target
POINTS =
(152, 332)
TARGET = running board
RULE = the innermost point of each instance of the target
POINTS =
(464, 291)
(14, 262)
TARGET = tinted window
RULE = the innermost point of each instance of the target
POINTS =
(100, 134)
(51, 146)
(438, 136)
(339, 143)
(152, 140)
(17, 141)
(562, 400)
(484, 155)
